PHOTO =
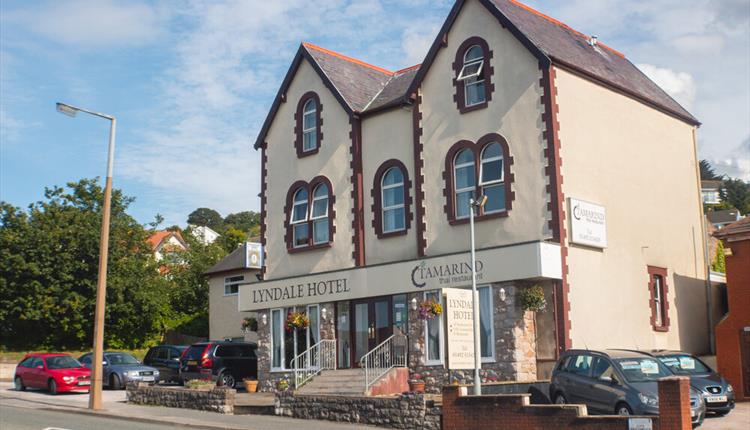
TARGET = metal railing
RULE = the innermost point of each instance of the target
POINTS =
(321, 356)
(390, 353)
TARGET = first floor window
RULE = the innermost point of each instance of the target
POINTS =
(299, 218)
(464, 175)
(486, 324)
(658, 285)
(232, 285)
(319, 215)
(434, 335)
(659, 302)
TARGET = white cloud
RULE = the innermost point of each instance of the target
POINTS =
(679, 85)
(736, 163)
(416, 40)
(91, 23)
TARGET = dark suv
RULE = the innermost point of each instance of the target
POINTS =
(225, 362)
(614, 381)
(166, 359)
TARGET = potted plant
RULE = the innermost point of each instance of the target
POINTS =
(251, 385)
(416, 384)
(532, 299)
(295, 320)
(282, 385)
(429, 309)
(249, 324)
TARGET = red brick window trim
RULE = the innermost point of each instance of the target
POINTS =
(472, 70)
(471, 170)
(309, 215)
(395, 172)
(308, 124)
(659, 302)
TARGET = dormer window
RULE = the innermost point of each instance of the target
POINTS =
(473, 75)
(308, 124)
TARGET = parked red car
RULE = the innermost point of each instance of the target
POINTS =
(55, 372)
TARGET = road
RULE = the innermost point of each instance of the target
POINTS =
(16, 418)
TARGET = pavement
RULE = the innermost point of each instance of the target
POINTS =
(68, 408)
(738, 419)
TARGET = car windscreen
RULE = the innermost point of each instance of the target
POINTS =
(195, 352)
(684, 364)
(641, 369)
(120, 358)
(62, 362)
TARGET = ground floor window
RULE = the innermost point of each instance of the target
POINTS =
(287, 343)
(486, 324)
(434, 332)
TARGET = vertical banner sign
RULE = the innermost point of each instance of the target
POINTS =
(459, 318)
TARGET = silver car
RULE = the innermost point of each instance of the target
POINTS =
(119, 368)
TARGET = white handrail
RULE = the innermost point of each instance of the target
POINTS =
(384, 357)
(321, 356)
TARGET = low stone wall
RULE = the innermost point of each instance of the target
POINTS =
(539, 390)
(217, 399)
(407, 411)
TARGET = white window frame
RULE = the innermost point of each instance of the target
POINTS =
(282, 314)
(491, 358)
(319, 217)
(385, 208)
(472, 79)
(496, 182)
(441, 336)
(658, 282)
(314, 128)
(456, 190)
(229, 281)
(296, 202)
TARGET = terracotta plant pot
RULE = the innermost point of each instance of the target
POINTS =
(251, 386)
(416, 386)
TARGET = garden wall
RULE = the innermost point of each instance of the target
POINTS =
(216, 399)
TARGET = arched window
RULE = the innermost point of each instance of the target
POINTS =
(473, 75)
(464, 185)
(310, 213)
(309, 126)
(319, 214)
(308, 123)
(491, 177)
(300, 229)
(392, 189)
(476, 169)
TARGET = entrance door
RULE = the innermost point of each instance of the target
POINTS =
(371, 325)
(745, 357)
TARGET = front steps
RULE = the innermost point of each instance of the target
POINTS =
(342, 382)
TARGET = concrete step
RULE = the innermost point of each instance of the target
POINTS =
(336, 382)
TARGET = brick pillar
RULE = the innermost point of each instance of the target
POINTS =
(674, 403)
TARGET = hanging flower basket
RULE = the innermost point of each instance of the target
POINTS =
(429, 309)
(249, 324)
(532, 299)
(295, 320)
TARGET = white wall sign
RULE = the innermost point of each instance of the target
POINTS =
(588, 223)
(528, 260)
(253, 255)
(640, 424)
(459, 319)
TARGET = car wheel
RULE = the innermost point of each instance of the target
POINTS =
(227, 380)
(114, 382)
(52, 386)
(560, 399)
(19, 384)
(623, 409)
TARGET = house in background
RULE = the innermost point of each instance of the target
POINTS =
(167, 244)
(206, 235)
(710, 192)
(723, 217)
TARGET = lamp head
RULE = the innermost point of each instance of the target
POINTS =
(67, 110)
(479, 203)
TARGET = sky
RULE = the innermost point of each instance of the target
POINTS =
(191, 81)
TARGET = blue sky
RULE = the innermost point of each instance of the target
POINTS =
(191, 82)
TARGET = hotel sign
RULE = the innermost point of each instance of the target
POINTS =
(459, 318)
(529, 260)
(588, 223)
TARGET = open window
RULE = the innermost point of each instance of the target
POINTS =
(473, 74)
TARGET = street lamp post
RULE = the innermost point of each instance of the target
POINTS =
(95, 396)
(473, 204)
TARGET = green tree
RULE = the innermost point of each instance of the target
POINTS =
(49, 266)
(719, 264)
(707, 171)
(245, 221)
(231, 238)
(736, 192)
(206, 217)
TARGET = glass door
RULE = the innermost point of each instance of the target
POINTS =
(361, 331)
(371, 325)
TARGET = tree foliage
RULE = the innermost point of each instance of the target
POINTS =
(736, 192)
(49, 267)
(206, 217)
(719, 264)
(246, 221)
(707, 171)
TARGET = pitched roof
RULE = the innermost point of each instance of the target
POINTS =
(234, 261)
(364, 88)
(741, 227)
(158, 237)
(723, 216)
